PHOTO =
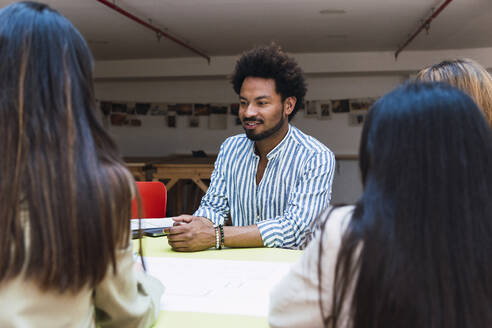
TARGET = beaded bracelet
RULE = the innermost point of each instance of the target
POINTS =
(217, 238)
(222, 235)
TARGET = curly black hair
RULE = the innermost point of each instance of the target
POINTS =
(270, 62)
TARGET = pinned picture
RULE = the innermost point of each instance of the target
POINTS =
(234, 108)
(135, 122)
(142, 108)
(171, 121)
(182, 109)
(106, 107)
(218, 117)
(218, 108)
(325, 107)
(302, 106)
(312, 108)
(193, 121)
(157, 109)
(357, 118)
(119, 108)
(118, 119)
(131, 108)
(340, 106)
(362, 104)
(171, 109)
(201, 109)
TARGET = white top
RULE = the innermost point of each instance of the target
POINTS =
(127, 298)
(294, 301)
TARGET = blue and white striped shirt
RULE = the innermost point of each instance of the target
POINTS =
(295, 188)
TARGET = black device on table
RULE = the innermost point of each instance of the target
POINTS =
(152, 232)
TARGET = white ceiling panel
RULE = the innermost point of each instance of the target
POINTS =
(228, 27)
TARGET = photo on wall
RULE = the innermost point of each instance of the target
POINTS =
(193, 121)
(132, 119)
(171, 121)
(158, 109)
(218, 116)
(135, 122)
(171, 110)
(234, 108)
(325, 109)
(142, 108)
(357, 118)
(131, 108)
(302, 106)
(119, 108)
(312, 108)
(118, 119)
(340, 106)
(218, 108)
(182, 109)
(361, 104)
(201, 109)
(106, 107)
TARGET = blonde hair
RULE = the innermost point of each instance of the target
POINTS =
(468, 76)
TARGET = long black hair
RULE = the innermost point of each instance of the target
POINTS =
(417, 251)
(65, 194)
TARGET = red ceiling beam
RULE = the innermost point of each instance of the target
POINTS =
(153, 28)
(425, 25)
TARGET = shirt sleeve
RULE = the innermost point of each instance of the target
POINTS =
(127, 297)
(294, 301)
(309, 197)
(215, 204)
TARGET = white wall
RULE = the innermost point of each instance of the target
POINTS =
(329, 76)
(340, 63)
(154, 138)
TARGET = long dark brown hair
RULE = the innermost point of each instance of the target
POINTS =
(417, 250)
(65, 194)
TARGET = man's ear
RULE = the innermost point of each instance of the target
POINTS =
(289, 104)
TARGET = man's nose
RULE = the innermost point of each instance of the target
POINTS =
(250, 110)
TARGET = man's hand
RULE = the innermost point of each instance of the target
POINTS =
(191, 233)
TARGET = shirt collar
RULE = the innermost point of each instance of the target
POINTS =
(278, 148)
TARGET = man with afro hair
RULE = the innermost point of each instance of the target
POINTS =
(271, 182)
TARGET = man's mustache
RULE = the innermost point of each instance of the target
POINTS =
(252, 119)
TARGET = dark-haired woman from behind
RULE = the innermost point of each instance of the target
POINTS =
(66, 258)
(415, 249)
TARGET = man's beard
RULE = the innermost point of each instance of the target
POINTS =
(265, 134)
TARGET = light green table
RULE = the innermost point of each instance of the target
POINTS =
(158, 247)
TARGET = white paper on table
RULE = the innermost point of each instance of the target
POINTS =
(152, 223)
(216, 286)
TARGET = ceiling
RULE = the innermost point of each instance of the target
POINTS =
(228, 27)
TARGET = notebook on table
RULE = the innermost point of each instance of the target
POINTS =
(151, 227)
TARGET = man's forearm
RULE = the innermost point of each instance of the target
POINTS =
(192, 233)
(248, 236)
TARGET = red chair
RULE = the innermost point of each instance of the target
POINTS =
(153, 197)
